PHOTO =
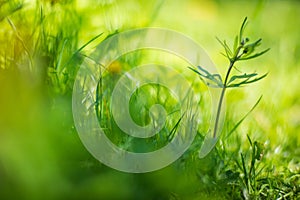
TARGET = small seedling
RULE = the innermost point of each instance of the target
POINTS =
(242, 50)
(252, 171)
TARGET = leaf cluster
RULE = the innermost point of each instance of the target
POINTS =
(242, 50)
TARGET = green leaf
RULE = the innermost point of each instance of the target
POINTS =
(249, 49)
(255, 55)
(215, 78)
(235, 45)
(242, 30)
(259, 150)
(8, 8)
(76, 53)
(249, 139)
(243, 118)
(87, 43)
(58, 66)
(174, 129)
(244, 170)
(226, 48)
(247, 81)
(256, 43)
(244, 76)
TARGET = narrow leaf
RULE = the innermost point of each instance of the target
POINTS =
(255, 55)
(78, 50)
(251, 47)
(226, 48)
(235, 45)
(196, 71)
(173, 131)
(243, 118)
(233, 78)
(87, 43)
(259, 150)
(58, 66)
(247, 81)
(245, 170)
(216, 78)
(248, 137)
(257, 79)
(242, 29)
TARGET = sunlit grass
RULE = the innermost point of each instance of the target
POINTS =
(44, 42)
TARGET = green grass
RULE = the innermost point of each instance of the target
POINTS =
(42, 47)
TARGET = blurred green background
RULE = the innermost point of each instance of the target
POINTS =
(41, 155)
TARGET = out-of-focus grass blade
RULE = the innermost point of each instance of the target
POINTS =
(173, 131)
(87, 43)
(249, 139)
(243, 118)
(80, 49)
(7, 8)
(245, 171)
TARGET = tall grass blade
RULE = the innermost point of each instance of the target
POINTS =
(243, 118)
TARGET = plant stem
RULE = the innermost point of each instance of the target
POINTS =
(231, 64)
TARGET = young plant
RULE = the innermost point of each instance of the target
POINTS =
(242, 50)
(251, 169)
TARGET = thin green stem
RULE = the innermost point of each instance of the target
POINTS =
(231, 64)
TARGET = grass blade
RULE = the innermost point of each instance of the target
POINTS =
(245, 171)
(243, 118)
